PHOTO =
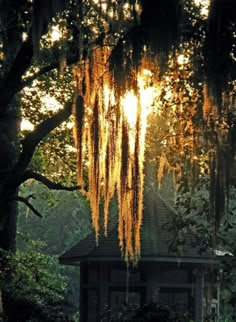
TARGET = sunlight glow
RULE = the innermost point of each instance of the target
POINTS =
(130, 106)
(204, 5)
(26, 125)
(108, 97)
(50, 103)
(146, 95)
(55, 34)
(182, 59)
(103, 4)
(137, 107)
(69, 125)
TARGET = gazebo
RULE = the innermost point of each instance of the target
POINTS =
(180, 281)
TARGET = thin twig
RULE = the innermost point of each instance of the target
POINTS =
(29, 205)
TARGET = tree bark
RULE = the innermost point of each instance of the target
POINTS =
(8, 224)
(9, 150)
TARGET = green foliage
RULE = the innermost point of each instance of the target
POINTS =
(193, 227)
(193, 224)
(66, 217)
(66, 220)
(76, 317)
(55, 155)
(32, 290)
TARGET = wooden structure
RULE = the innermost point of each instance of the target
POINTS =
(179, 281)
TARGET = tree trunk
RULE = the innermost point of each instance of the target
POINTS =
(9, 149)
(8, 217)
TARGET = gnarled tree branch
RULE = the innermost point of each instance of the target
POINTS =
(56, 64)
(46, 182)
(29, 205)
(31, 140)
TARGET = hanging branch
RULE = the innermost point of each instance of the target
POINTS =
(29, 205)
(28, 174)
(46, 69)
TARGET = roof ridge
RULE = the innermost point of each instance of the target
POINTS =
(162, 199)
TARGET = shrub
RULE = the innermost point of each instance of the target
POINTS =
(32, 290)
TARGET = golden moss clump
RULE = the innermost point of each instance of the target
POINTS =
(110, 149)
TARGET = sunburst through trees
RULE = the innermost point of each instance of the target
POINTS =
(110, 138)
(132, 71)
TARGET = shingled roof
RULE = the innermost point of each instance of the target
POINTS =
(155, 239)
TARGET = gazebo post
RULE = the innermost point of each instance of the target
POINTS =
(218, 301)
(199, 296)
(103, 300)
(82, 295)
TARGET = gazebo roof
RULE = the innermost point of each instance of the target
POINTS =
(155, 239)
